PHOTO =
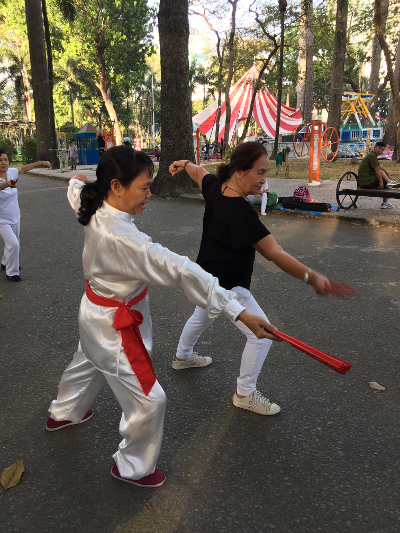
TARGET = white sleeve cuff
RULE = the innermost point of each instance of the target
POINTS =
(233, 309)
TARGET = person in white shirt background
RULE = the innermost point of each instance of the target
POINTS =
(10, 214)
(261, 198)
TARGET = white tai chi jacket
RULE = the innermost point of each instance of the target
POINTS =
(119, 261)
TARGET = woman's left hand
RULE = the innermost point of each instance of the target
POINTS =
(46, 164)
(177, 166)
(319, 283)
(80, 177)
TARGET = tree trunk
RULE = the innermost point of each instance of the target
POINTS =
(256, 88)
(392, 78)
(339, 52)
(71, 103)
(45, 128)
(176, 105)
(49, 57)
(27, 110)
(231, 57)
(301, 76)
(390, 133)
(104, 88)
(309, 81)
(376, 55)
(282, 10)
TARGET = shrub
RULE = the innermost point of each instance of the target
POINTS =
(70, 131)
(8, 147)
(29, 150)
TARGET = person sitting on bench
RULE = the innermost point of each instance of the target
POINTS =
(372, 175)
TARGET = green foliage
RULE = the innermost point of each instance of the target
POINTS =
(29, 150)
(70, 131)
(8, 147)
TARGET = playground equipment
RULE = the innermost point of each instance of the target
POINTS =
(319, 140)
(62, 152)
(354, 104)
(108, 135)
(88, 150)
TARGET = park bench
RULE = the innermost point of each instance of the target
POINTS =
(347, 191)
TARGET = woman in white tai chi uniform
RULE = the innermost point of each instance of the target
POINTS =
(232, 233)
(10, 215)
(115, 328)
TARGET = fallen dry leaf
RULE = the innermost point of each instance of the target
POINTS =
(11, 476)
(375, 385)
(1, 296)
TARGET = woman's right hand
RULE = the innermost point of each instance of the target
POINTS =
(258, 325)
(12, 183)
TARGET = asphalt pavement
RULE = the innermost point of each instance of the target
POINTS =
(327, 463)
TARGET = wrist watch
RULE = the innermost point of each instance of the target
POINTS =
(307, 275)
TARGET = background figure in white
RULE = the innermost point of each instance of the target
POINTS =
(261, 198)
(10, 214)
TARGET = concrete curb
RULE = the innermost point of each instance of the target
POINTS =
(369, 218)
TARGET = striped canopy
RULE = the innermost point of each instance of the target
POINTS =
(264, 110)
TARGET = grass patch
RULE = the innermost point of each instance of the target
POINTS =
(299, 168)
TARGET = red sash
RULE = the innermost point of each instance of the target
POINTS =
(127, 321)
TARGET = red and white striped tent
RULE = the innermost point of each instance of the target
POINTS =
(264, 110)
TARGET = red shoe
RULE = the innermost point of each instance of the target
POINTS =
(54, 425)
(155, 479)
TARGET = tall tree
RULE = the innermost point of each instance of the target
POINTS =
(339, 53)
(390, 132)
(376, 54)
(111, 40)
(282, 9)
(14, 52)
(309, 77)
(394, 86)
(231, 58)
(176, 105)
(44, 117)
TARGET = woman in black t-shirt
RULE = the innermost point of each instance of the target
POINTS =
(232, 233)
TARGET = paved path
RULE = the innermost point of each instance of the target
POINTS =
(368, 209)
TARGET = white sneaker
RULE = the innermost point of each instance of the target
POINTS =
(193, 362)
(263, 213)
(392, 183)
(256, 403)
(386, 205)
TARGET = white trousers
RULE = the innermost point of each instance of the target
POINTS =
(254, 353)
(10, 234)
(142, 421)
(259, 199)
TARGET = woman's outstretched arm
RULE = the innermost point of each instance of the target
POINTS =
(195, 172)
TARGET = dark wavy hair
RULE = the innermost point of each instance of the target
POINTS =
(243, 157)
(119, 162)
(3, 152)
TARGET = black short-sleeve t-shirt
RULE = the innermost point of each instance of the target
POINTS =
(230, 228)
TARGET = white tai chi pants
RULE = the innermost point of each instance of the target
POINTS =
(257, 199)
(10, 234)
(142, 421)
(254, 353)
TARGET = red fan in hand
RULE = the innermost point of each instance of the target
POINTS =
(340, 365)
(342, 290)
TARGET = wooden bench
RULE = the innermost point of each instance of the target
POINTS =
(347, 191)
